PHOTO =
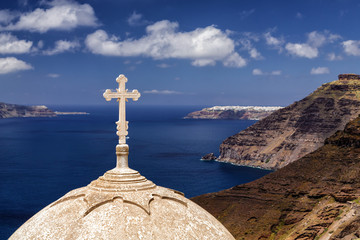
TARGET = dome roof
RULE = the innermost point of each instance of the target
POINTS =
(122, 204)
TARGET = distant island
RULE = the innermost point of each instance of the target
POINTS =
(233, 112)
(14, 110)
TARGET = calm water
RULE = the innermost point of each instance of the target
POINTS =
(41, 159)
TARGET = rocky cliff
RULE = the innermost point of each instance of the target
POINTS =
(13, 110)
(233, 112)
(296, 130)
(315, 197)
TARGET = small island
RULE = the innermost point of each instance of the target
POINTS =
(233, 112)
(14, 110)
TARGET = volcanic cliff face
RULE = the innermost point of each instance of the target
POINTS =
(13, 110)
(315, 197)
(233, 112)
(296, 130)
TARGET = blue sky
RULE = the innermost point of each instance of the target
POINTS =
(243, 52)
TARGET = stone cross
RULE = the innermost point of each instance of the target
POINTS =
(122, 95)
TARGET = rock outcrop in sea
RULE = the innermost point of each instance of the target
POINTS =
(233, 112)
(296, 130)
(315, 197)
(14, 110)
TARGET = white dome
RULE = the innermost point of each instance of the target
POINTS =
(122, 204)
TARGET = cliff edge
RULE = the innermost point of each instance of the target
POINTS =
(315, 197)
(296, 130)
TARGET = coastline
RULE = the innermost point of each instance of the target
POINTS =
(71, 113)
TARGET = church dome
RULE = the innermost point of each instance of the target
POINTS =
(122, 204)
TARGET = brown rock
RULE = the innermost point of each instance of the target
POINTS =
(296, 130)
(209, 157)
(312, 197)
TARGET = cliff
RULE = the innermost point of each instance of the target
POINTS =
(13, 110)
(315, 197)
(296, 130)
(233, 112)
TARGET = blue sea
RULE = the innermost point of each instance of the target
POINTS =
(41, 159)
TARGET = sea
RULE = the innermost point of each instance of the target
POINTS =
(41, 159)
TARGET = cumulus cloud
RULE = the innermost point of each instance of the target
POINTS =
(204, 46)
(351, 47)
(58, 15)
(11, 64)
(302, 50)
(319, 70)
(310, 49)
(165, 92)
(62, 46)
(10, 44)
(259, 72)
(136, 19)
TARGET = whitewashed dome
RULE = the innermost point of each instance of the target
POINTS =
(122, 204)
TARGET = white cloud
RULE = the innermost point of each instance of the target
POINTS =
(255, 54)
(351, 47)
(234, 60)
(53, 75)
(62, 46)
(11, 64)
(136, 19)
(259, 72)
(319, 70)
(165, 92)
(316, 39)
(302, 50)
(246, 43)
(204, 46)
(60, 15)
(276, 72)
(333, 57)
(9, 44)
(273, 41)
(310, 49)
